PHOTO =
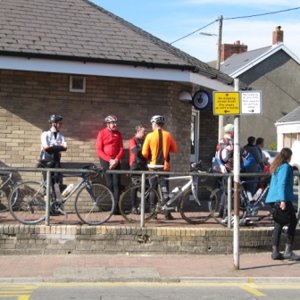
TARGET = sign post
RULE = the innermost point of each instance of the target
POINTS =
(236, 104)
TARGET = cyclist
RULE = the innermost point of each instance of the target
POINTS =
(52, 144)
(157, 147)
(224, 150)
(136, 160)
(109, 147)
(224, 156)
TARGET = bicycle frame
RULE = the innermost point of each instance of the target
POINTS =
(8, 176)
(182, 189)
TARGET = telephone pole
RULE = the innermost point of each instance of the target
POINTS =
(218, 64)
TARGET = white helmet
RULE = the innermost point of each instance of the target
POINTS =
(158, 119)
(111, 118)
(228, 128)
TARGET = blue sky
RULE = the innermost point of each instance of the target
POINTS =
(173, 19)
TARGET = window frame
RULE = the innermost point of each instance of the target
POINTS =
(73, 88)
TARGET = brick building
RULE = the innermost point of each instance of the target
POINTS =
(76, 59)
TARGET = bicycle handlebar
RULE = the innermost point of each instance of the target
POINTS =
(97, 171)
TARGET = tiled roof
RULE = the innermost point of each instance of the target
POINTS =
(293, 116)
(80, 30)
(237, 61)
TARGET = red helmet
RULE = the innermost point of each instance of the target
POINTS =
(111, 118)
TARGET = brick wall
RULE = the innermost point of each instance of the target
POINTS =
(76, 239)
(27, 99)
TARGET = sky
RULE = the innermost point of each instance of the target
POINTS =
(170, 20)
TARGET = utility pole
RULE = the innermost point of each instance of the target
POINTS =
(221, 117)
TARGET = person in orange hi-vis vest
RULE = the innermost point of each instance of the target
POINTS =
(156, 148)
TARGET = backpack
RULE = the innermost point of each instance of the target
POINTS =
(217, 163)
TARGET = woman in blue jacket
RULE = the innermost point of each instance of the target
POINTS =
(281, 196)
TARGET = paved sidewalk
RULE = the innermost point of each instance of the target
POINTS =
(156, 268)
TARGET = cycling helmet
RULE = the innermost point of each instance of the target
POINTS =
(158, 119)
(55, 119)
(111, 118)
(228, 128)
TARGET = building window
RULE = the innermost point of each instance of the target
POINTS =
(77, 84)
(289, 139)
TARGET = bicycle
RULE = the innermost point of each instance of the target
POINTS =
(195, 203)
(94, 203)
(249, 205)
(6, 186)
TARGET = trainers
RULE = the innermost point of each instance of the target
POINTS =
(169, 217)
(134, 211)
(225, 220)
(276, 255)
(247, 222)
(291, 256)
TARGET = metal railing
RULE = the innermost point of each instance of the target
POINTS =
(77, 173)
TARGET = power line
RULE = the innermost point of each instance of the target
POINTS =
(194, 32)
(234, 18)
(263, 14)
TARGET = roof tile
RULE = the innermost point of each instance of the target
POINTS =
(56, 27)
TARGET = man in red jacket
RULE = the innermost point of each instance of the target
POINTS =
(109, 147)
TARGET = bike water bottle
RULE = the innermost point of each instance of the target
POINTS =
(257, 194)
(174, 192)
(250, 197)
(68, 190)
(164, 192)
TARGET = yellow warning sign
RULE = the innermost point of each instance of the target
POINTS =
(226, 103)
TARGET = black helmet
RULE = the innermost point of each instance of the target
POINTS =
(55, 119)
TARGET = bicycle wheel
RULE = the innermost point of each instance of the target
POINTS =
(27, 202)
(130, 203)
(94, 204)
(4, 193)
(197, 212)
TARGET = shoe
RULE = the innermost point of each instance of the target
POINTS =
(291, 256)
(247, 222)
(135, 211)
(225, 220)
(169, 217)
(277, 256)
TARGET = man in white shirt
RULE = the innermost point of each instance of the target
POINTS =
(52, 144)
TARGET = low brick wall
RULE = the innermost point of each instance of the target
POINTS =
(76, 239)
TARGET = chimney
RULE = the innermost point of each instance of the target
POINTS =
(228, 49)
(277, 36)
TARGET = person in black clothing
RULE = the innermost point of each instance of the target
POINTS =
(136, 160)
(260, 145)
(52, 144)
(251, 148)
